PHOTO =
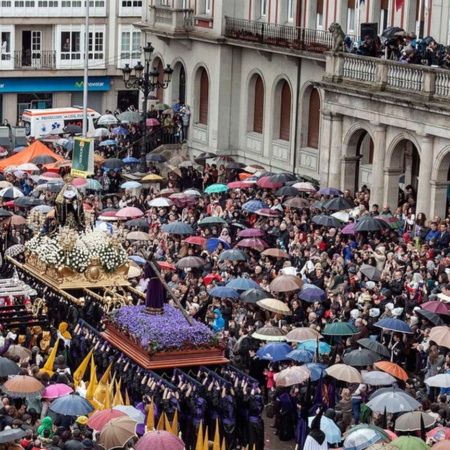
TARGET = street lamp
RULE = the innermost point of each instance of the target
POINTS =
(145, 80)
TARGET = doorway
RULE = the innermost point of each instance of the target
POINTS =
(125, 99)
(31, 48)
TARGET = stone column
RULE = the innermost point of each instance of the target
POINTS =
(324, 158)
(349, 165)
(334, 171)
(379, 150)
(438, 199)
(426, 166)
(390, 196)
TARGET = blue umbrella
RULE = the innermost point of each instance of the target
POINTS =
(331, 430)
(120, 131)
(19, 149)
(311, 346)
(233, 255)
(130, 185)
(177, 228)
(310, 293)
(104, 226)
(301, 355)
(212, 244)
(317, 370)
(274, 351)
(330, 191)
(130, 160)
(242, 284)
(138, 259)
(394, 325)
(254, 205)
(223, 292)
(72, 405)
(108, 142)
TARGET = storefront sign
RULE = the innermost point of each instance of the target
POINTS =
(61, 84)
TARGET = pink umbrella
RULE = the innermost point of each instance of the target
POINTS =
(251, 232)
(266, 184)
(99, 419)
(129, 211)
(182, 200)
(436, 307)
(268, 212)
(152, 122)
(160, 439)
(49, 176)
(237, 185)
(349, 229)
(79, 182)
(56, 390)
(252, 242)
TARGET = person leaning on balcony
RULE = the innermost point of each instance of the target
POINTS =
(368, 47)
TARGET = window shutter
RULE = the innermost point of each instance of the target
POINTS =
(285, 113)
(204, 98)
(351, 4)
(384, 4)
(319, 7)
(258, 113)
(314, 119)
(160, 92)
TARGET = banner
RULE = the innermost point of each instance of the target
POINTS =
(83, 157)
(399, 4)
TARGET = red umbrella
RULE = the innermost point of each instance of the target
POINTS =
(99, 419)
(160, 439)
(251, 232)
(195, 240)
(166, 266)
(436, 307)
(49, 176)
(266, 184)
(268, 212)
(87, 207)
(238, 185)
(129, 212)
(79, 182)
(109, 214)
(212, 276)
(252, 242)
(10, 203)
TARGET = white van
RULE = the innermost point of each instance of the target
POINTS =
(42, 122)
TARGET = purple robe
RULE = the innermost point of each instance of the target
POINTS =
(154, 302)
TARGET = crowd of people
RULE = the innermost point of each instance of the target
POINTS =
(231, 207)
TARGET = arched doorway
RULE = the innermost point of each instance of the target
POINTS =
(179, 83)
(159, 66)
(255, 104)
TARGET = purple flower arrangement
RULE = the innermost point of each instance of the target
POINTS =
(161, 333)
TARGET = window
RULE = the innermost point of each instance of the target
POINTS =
(96, 45)
(290, 10)
(208, 7)
(258, 110)
(204, 97)
(351, 16)
(314, 119)
(263, 8)
(70, 45)
(319, 14)
(285, 112)
(6, 4)
(19, 4)
(130, 47)
(131, 3)
(6, 46)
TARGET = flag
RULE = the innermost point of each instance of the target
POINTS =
(82, 157)
(79, 373)
(199, 443)
(48, 366)
(93, 382)
(175, 423)
(216, 445)
(102, 388)
(399, 4)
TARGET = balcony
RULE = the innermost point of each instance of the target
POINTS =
(44, 59)
(377, 74)
(282, 36)
(170, 20)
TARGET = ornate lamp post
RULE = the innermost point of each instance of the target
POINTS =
(145, 80)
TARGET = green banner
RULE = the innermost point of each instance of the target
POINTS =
(83, 157)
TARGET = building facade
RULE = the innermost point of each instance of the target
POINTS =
(263, 87)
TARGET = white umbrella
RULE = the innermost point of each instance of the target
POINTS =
(361, 439)
(341, 215)
(160, 202)
(12, 191)
(193, 192)
(107, 119)
(378, 378)
(101, 132)
(393, 402)
(131, 412)
(28, 166)
(441, 381)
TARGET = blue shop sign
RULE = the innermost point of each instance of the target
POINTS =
(50, 84)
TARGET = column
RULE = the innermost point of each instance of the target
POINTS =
(390, 196)
(349, 175)
(324, 152)
(379, 148)
(334, 171)
(438, 198)
(426, 165)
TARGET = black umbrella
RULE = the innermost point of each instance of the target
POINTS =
(137, 223)
(233, 255)
(326, 221)
(431, 317)
(361, 357)
(369, 223)
(239, 225)
(4, 213)
(204, 155)
(234, 165)
(72, 129)
(11, 435)
(27, 202)
(372, 273)
(156, 157)
(338, 204)
(43, 159)
(189, 262)
(54, 187)
(113, 163)
(375, 346)
(281, 177)
(389, 32)
(265, 174)
(7, 368)
(177, 228)
(287, 190)
(253, 295)
(318, 205)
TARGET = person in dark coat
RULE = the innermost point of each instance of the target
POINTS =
(154, 301)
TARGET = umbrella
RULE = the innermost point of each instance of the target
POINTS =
(275, 252)
(204, 156)
(361, 357)
(100, 418)
(270, 333)
(393, 402)
(286, 283)
(312, 346)
(410, 443)
(3, 151)
(108, 142)
(129, 211)
(234, 165)
(363, 426)
(11, 192)
(377, 378)
(372, 273)
(152, 122)
(190, 262)
(211, 277)
(265, 183)
(16, 220)
(4, 213)
(238, 185)
(442, 380)
(177, 228)
(160, 202)
(361, 439)
(14, 250)
(207, 221)
(18, 350)
(254, 205)
(72, 129)
(27, 202)
(310, 293)
(292, 375)
(107, 119)
(223, 292)
(252, 295)
(72, 405)
(233, 255)
(8, 368)
(216, 188)
(430, 316)
(168, 192)
(302, 334)
(138, 236)
(131, 160)
(341, 215)
(251, 232)
(343, 372)
(19, 173)
(369, 223)
(196, 240)
(436, 307)
(281, 177)
(317, 370)
(56, 390)
(117, 432)
(181, 200)
(326, 221)
(19, 149)
(330, 191)
(113, 163)
(22, 386)
(80, 182)
(349, 229)
(394, 324)
(275, 306)
(186, 164)
(28, 166)
(156, 158)
(392, 369)
(212, 244)
(11, 435)
(287, 191)
(131, 412)
(254, 242)
(304, 186)
(439, 434)
(161, 440)
(301, 355)
(440, 335)
(138, 259)
(296, 202)
(243, 284)
(269, 212)
(93, 184)
(174, 169)
(331, 430)
(338, 204)
(120, 131)
(130, 117)
(412, 421)
(44, 209)
(161, 106)
(340, 329)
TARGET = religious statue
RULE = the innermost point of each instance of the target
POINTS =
(154, 302)
(69, 207)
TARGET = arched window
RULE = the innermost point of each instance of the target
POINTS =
(204, 97)
(285, 112)
(160, 68)
(314, 119)
(258, 111)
